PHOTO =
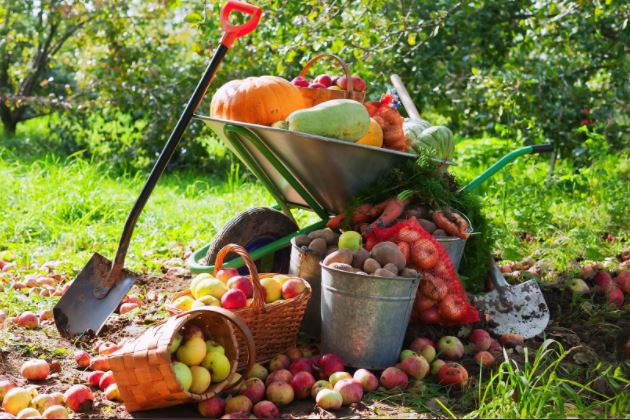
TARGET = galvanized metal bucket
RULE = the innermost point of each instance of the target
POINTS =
(364, 318)
(306, 265)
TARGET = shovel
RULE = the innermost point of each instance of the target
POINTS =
(519, 309)
(102, 284)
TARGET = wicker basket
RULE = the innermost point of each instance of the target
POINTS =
(274, 325)
(315, 96)
(143, 371)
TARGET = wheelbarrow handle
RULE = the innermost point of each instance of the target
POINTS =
(539, 148)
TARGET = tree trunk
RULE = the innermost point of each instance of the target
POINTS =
(9, 119)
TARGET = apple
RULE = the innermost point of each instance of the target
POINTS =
(280, 393)
(367, 379)
(300, 81)
(615, 296)
(578, 286)
(198, 278)
(428, 352)
(200, 379)
(338, 376)
(272, 288)
(479, 339)
(206, 300)
(238, 404)
(511, 340)
(78, 398)
(281, 278)
(16, 399)
(35, 370)
(280, 375)
(218, 365)
(82, 357)
(192, 352)
(108, 348)
(301, 365)
(436, 366)
(58, 397)
(329, 399)
(358, 84)
(292, 288)
(56, 412)
(112, 393)
(406, 353)
(183, 375)
(450, 347)
(176, 341)
(453, 374)
(484, 358)
(419, 342)
(45, 315)
(302, 382)
(29, 412)
(212, 287)
(226, 274)
(128, 307)
(266, 410)
(257, 371)
(316, 86)
(350, 240)
(603, 281)
(279, 361)
(94, 378)
(234, 299)
(623, 281)
(183, 303)
(351, 390)
(318, 386)
(213, 346)
(243, 284)
(415, 366)
(5, 386)
(294, 353)
(393, 377)
(27, 320)
(214, 407)
(324, 80)
(106, 380)
(329, 363)
(193, 330)
(99, 363)
(254, 389)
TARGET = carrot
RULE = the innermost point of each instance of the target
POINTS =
(335, 222)
(360, 215)
(393, 209)
(451, 222)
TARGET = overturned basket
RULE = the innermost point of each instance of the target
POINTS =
(275, 325)
(143, 368)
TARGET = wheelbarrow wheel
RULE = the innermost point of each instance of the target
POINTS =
(252, 229)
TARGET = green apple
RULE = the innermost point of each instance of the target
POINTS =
(198, 278)
(406, 353)
(200, 379)
(184, 303)
(177, 340)
(212, 287)
(218, 365)
(183, 375)
(212, 345)
(192, 352)
(350, 240)
(273, 289)
(337, 376)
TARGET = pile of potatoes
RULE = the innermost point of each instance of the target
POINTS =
(320, 243)
(385, 260)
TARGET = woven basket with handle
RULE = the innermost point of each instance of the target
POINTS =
(314, 96)
(274, 325)
(143, 368)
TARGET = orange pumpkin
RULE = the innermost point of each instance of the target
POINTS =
(258, 100)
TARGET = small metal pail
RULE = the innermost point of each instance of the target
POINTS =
(306, 265)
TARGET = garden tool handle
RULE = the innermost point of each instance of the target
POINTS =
(405, 98)
(169, 148)
(542, 148)
(232, 32)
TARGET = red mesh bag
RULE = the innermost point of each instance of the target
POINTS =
(440, 299)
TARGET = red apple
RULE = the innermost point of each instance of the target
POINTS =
(450, 347)
(107, 348)
(294, 353)
(292, 288)
(415, 366)
(511, 340)
(300, 81)
(495, 348)
(316, 86)
(358, 84)
(234, 299)
(324, 80)
(484, 358)
(254, 389)
(328, 364)
(45, 315)
(603, 282)
(94, 378)
(623, 281)
(238, 404)
(266, 410)
(368, 380)
(214, 407)
(226, 274)
(99, 363)
(27, 320)
(393, 377)
(419, 342)
(82, 357)
(453, 374)
(280, 375)
(615, 296)
(127, 307)
(302, 383)
(35, 370)
(78, 398)
(280, 393)
(351, 390)
(106, 380)
(243, 284)
(479, 339)
(280, 361)
(301, 365)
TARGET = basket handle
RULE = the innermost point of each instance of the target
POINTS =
(342, 64)
(258, 304)
(233, 318)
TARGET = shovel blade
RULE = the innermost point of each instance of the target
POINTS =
(79, 311)
(520, 309)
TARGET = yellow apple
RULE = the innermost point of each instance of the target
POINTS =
(212, 345)
(207, 300)
(212, 287)
(281, 278)
(273, 289)
(200, 379)
(183, 375)
(183, 303)
(198, 278)
(218, 365)
(192, 352)
(16, 400)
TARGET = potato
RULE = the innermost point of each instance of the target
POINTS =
(439, 233)
(359, 257)
(332, 238)
(381, 272)
(302, 240)
(343, 256)
(427, 225)
(318, 247)
(391, 268)
(371, 265)
(343, 267)
(388, 252)
(409, 273)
